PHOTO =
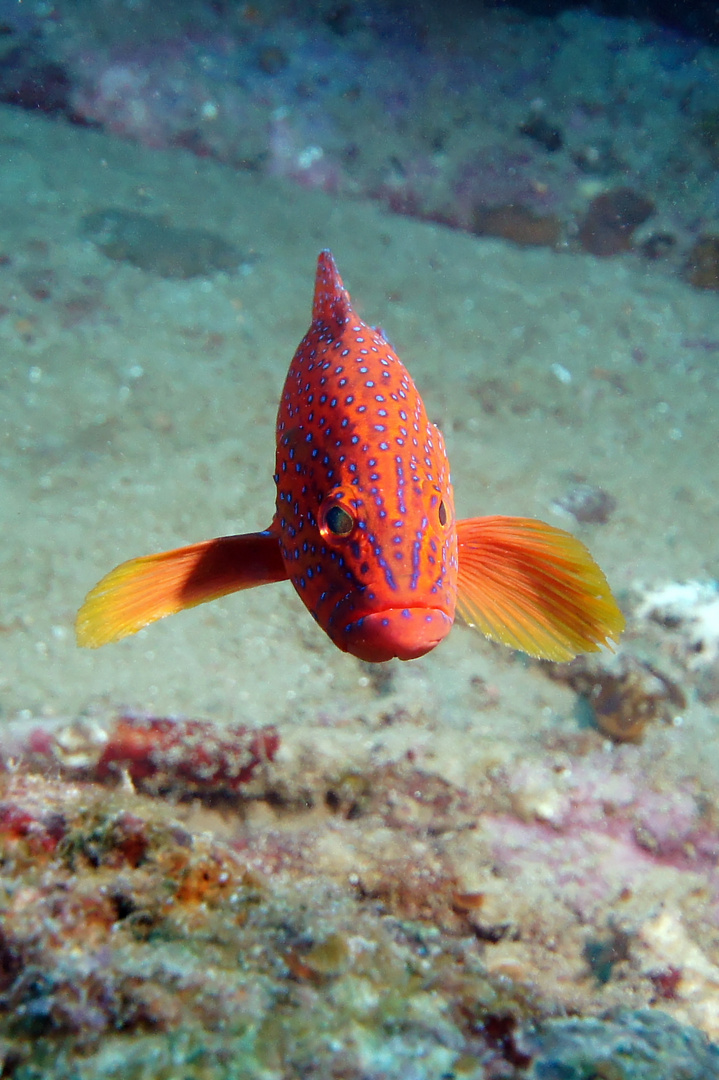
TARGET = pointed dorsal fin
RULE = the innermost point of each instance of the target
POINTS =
(332, 302)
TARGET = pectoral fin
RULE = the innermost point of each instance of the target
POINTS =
(534, 588)
(142, 590)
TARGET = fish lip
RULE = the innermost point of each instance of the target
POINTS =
(402, 633)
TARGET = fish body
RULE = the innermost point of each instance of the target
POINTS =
(365, 512)
(365, 528)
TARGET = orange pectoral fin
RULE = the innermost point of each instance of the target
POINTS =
(534, 588)
(142, 590)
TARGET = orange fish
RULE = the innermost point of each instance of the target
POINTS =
(364, 525)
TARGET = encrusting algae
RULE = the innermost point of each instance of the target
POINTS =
(136, 945)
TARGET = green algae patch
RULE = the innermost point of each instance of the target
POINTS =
(151, 243)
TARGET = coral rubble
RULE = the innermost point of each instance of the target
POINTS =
(134, 944)
(689, 611)
(291, 914)
(624, 693)
(157, 754)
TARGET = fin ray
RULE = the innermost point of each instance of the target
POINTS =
(533, 587)
(142, 590)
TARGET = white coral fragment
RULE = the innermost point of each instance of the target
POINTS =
(692, 609)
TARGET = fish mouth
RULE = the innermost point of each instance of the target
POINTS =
(404, 633)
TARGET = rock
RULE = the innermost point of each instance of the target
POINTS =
(151, 243)
(518, 224)
(611, 219)
(624, 693)
(587, 503)
(703, 263)
(547, 135)
(641, 1045)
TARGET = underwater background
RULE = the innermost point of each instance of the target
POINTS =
(228, 849)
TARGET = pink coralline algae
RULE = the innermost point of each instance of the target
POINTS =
(185, 757)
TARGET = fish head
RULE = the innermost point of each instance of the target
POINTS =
(365, 511)
(395, 557)
(374, 558)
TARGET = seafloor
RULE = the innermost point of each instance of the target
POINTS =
(451, 867)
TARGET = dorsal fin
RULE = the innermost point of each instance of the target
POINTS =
(332, 302)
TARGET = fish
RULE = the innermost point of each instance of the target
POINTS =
(365, 528)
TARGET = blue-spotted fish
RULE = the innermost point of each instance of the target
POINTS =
(364, 525)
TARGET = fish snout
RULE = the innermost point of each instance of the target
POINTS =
(405, 633)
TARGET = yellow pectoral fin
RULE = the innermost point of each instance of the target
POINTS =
(142, 590)
(534, 588)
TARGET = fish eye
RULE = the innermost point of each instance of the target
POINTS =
(339, 521)
(442, 513)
